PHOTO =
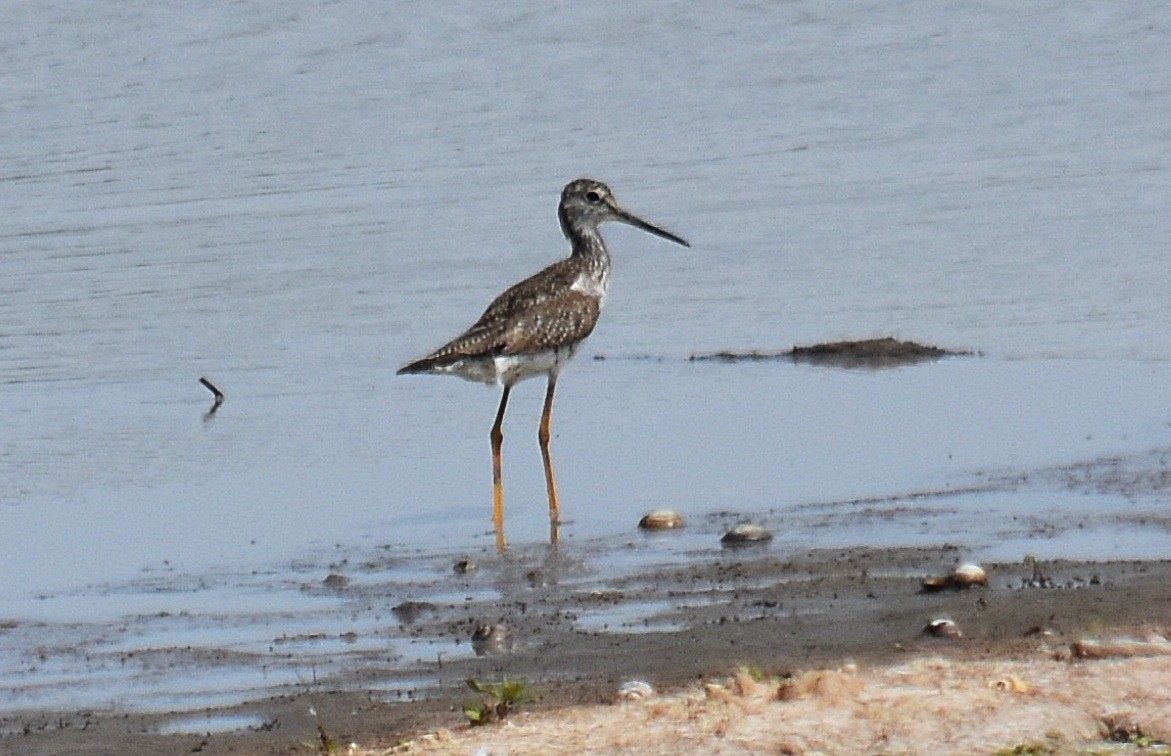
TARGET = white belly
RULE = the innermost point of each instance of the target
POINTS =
(507, 369)
(512, 369)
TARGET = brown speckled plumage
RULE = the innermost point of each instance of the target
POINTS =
(541, 313)
(535, 327)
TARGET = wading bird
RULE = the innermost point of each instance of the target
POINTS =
(536, 326)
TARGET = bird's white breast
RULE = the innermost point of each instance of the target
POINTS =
(592, 286)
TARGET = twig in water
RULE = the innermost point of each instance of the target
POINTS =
(219, 395)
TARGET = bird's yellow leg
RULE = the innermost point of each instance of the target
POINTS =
(543, 436)
(497, 438)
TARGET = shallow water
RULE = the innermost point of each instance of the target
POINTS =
(294, 202)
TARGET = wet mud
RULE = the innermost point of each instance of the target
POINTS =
(376, 643)
(575, 630)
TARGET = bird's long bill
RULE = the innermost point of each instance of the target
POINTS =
(637, 222)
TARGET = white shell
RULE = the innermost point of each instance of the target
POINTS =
(942, 627)
(970, 574)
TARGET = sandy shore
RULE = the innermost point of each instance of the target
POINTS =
(858, 616)
(931, 704)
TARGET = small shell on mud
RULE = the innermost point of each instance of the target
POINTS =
(745, 534)
(464, 566)
(491, 639)
(661, 519)
(942, 627)
(635, 690)
(964, 576)
(335, 580)
(969, 574)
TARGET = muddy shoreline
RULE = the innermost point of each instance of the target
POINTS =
(573, 643)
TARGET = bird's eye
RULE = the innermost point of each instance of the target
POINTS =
(593, 196)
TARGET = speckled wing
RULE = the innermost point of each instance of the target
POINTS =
(540, 313)
(558, 322)
(530, 293)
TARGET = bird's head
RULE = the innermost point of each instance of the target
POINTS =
(586, 202)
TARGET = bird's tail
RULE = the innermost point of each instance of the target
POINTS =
(424, 365)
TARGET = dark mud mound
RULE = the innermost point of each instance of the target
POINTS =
(869, 353)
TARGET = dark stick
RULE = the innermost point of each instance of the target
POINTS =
(219, 395)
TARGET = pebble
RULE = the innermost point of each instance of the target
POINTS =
(491, 639)
(969, 574)
(635, 690)
(964, 576)
(661, 519)
(943, 628)
(743, 535)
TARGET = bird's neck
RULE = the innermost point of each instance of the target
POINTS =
(589, 249)
(592, 261)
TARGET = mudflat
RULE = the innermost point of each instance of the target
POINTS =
(574, 643)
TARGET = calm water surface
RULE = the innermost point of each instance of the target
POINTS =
(296, 199)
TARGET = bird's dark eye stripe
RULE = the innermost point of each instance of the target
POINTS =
(593, 196)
